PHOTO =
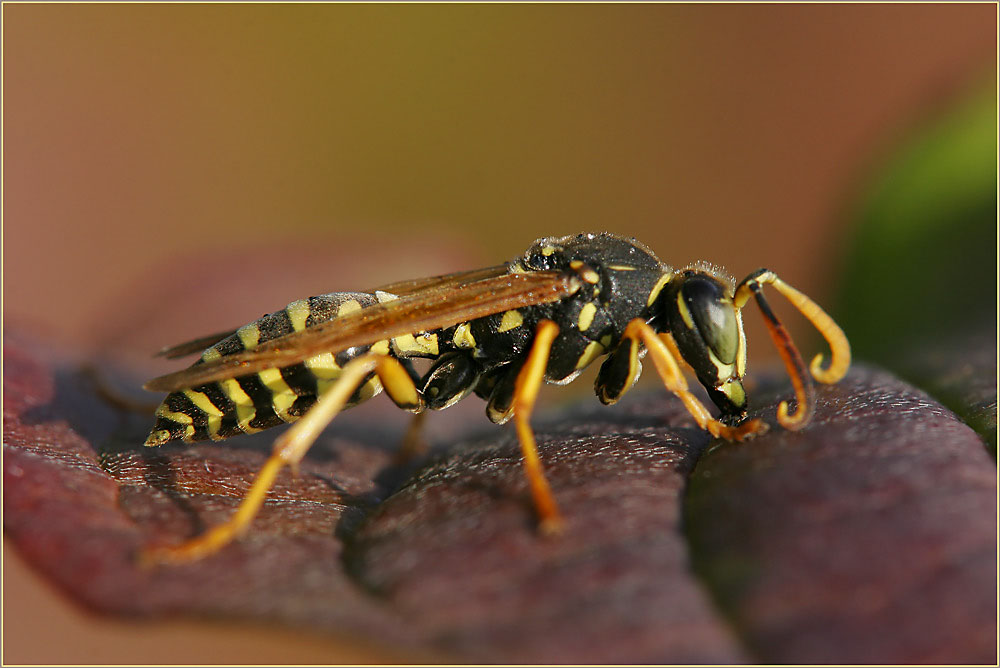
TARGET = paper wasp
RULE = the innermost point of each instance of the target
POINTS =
(498, 332)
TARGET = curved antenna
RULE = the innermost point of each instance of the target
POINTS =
(840, 349)
(805, 393)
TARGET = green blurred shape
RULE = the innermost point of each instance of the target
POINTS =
(919, 285)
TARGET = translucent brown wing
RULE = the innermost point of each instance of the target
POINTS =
(400, 288)
(413, 285)
(423, 310)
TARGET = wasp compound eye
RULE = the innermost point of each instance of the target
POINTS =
(714, 315)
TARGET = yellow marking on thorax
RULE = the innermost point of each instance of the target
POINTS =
(588, 274)
(548, 250)
(606, 340)
(620, 267)
(249, 336)
(429, 342)
(511, 320)
(282, 396)
(298, 312)
(463, 336)
(655, 292)
(587, 316)
(350, 306)
(590, 353)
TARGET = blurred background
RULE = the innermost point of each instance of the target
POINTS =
(170, 170)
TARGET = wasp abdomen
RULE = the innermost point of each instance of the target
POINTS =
(251, 403)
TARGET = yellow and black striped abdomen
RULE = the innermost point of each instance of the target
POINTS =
(248, 404)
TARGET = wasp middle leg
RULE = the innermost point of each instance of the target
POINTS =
(529, 380)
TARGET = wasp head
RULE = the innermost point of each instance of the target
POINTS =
(697, 309)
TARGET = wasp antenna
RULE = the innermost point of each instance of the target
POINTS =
(805, 399)
(840, 349)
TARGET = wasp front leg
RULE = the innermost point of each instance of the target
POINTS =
(638, 331)
(289, 450)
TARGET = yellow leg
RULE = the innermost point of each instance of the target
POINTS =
(529, 380)
(289, 450)
(673, 380)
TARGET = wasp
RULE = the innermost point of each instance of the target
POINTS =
(500, 333)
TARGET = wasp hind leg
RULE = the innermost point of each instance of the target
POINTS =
(289, 450)
(673, 379)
